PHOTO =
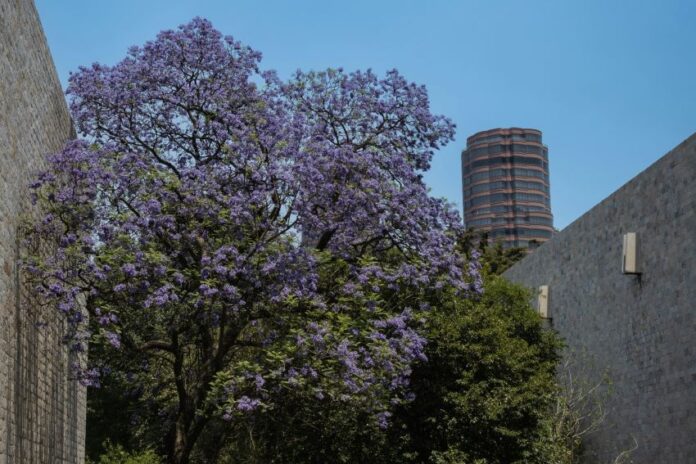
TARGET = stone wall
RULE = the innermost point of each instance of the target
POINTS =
(641, 328)
(42, 412)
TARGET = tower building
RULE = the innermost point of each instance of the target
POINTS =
(505, 176)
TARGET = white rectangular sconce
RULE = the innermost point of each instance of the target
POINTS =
(629, 264)
(543, 301)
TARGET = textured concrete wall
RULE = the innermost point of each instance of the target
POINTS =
(42, 412)
(642, 329)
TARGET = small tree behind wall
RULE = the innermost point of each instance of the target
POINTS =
(580, 410)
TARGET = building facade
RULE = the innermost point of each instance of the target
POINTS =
(42, 410)
(505, 175)
(637, 330)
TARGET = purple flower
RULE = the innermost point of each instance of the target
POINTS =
(246, 404)
(119, 288)
(383, 419)
(207, 291)
(113, 338)
(259, 381)
(56, 289)
(178, 278)
(129, 270)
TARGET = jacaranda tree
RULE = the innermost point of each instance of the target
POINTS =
(219, 237)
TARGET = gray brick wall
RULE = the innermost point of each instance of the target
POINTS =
(642, 329)
(42, 412)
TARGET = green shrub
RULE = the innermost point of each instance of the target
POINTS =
(116, 454)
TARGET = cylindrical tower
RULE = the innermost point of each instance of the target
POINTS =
(505, 176)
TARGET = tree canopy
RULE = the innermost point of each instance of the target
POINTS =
(222, 239)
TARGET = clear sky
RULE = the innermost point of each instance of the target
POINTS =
(612, 84)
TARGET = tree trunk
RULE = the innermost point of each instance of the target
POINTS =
(180, 450)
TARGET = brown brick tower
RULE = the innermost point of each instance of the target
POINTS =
(505, 176)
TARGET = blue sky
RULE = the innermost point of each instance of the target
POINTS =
(610, 83)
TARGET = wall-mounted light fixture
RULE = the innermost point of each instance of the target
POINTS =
(543, 301)
(629, 263)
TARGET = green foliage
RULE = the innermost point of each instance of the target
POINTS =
(485, 394)
(496, 259)
(104, 426)
(493, 257)
(115, 454)
(115, 415)
(308, 430)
